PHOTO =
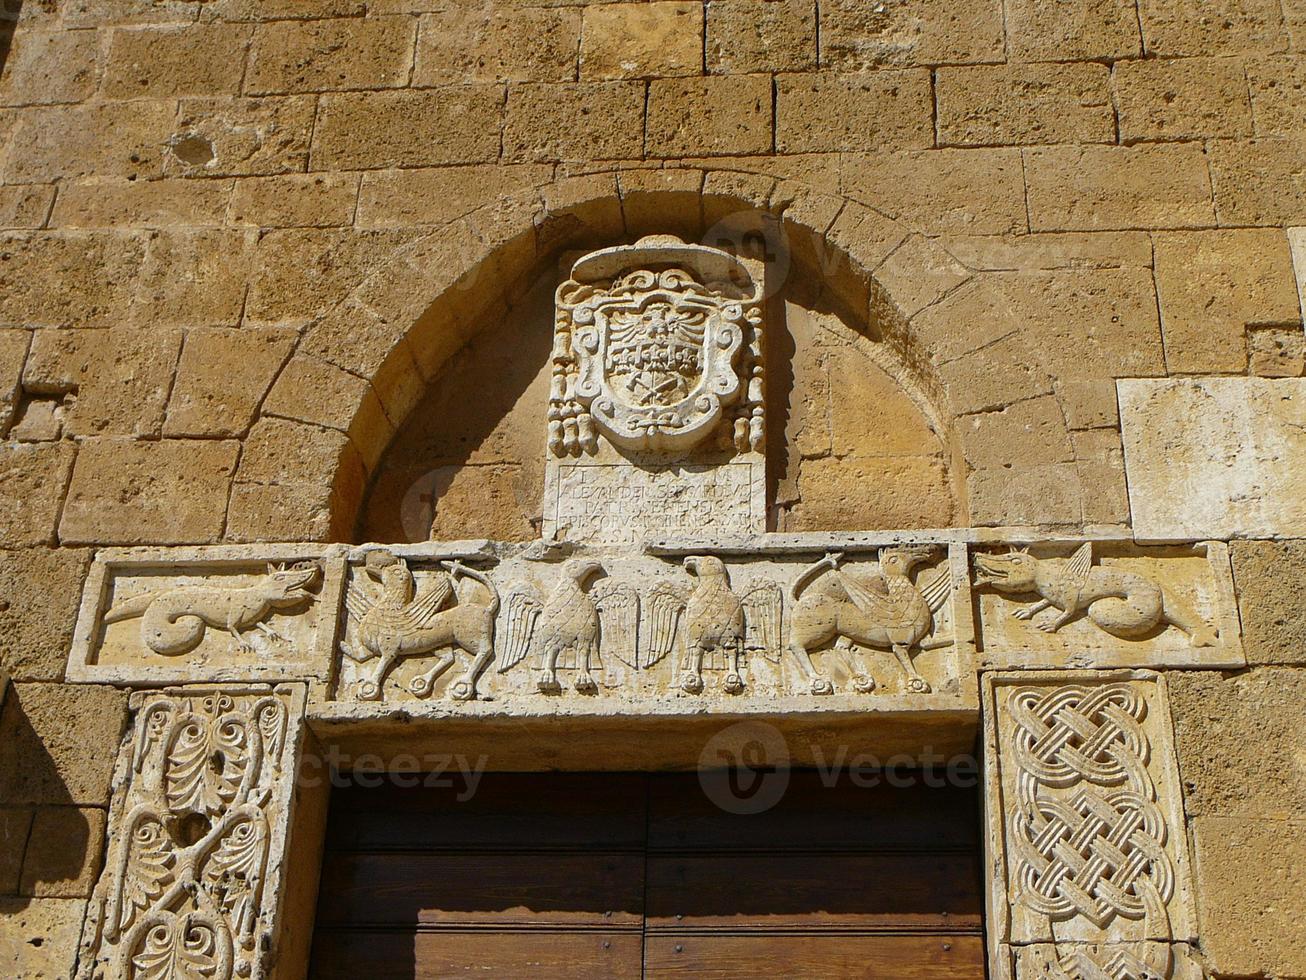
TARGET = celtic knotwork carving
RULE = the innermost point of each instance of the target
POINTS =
(1089, 839)
(190, 835)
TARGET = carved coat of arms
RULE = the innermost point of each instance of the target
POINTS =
(657, 344)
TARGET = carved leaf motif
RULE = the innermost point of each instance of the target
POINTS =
(762, 609)
(618, 607)
(148, 868)
(205, 763)
(178, 949)
(270, 715)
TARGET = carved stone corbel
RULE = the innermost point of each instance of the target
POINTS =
(1088, 857)
(198, 827)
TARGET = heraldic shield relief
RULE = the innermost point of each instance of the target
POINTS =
(656, 344)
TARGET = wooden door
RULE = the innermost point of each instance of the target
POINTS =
(632, 875)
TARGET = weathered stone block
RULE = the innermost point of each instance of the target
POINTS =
(1193, 27)
(483, 44)
(13, 354)
(111, 202)
(302, 273)
(857, 36)
(194, 59)
(322, 55)
(129, 492)
(40, 588)
(240, 137)
(295, 201)
(1213, 457)
(63, 852)
(67, 279)
(195, 277)
(50, 66)
(294, 512)
(1048, 494)
(25, 205)
(1028, 433)
(709, 116)
(1278, 91)
(1000, 104)
(15, 824)
(222, 378)
(1086, 188)
(115, 138)
(98, 13)
(1212, 285)
(38, 939)
(1184, 98)
(315, 391)
(820, 113)
(745, 36)
(1259, 181)
(1271, 599)
(1052, 251)
(598, 121)
(824, 502)
(1072, 29)
(32, 481)
(121, 377)
(361, 130)
(404, 198)
(641, 40)
(57, 743)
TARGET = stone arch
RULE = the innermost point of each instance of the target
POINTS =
(378, 349)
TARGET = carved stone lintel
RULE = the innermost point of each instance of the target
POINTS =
(1088, 847)
(193, 878)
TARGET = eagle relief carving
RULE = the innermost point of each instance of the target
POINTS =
(655, 345)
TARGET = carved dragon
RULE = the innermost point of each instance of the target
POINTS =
(890, 612)
(174, 620)
(1121, 603)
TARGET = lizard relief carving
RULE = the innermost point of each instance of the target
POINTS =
(1124, 604)
(572, 628)
(889, 612)
(720, 627)
(174, 621)
(399, 622)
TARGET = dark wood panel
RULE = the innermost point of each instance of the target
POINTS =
(353, 955)
(864, 891)
(598, 889)
(811, 814)
(814, 957)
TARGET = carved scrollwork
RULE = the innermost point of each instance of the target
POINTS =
(183, 890)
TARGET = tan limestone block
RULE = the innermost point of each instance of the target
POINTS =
(259, 10)
(1088, 188)
(32, 482)
(670, 201)
(1212, 285)
(866, 238)
(1106, 494)
(1240, 741)
(918, 274)
(58, 741)
(25, 205)
(1048, 494)
(286, 512)
(988, 377)
(63, 852)
(129, 492)
(325, 55)
(362, 130)
(15, 825)
(50, 66)
(883, 110)
(968, 192)
(111, 202)
(1278, 90)
(1276, 352)
(589, 121)
(312, 390)
(112, 138)
(222, 378)
(38, 939)
(98, 13)
(355, 338)
(892, 491)
(1213, 457)
(1259, 181)
(857, 36)
(496, 500)
(1028, 433)
(641, 40)
(1269, 575)
(709, 116)
(295, 201)
(869, 413)
(195, 277)
(1072, 29)
(405, 198)
(1193, 27)
(13, 354)
(281, 451)
(120, 378)
(1013, 104)
(1252, 882)
(240, 137)
(161, 62)
(1183, 98)
(746, 36)
(72, 279)
(1055, 250)
(39, 608)
(475, 43)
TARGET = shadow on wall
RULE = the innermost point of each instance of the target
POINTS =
(9, 11)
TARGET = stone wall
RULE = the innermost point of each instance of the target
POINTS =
(243, 239)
